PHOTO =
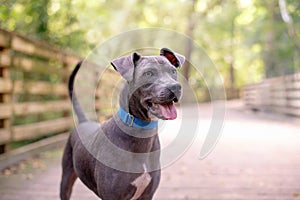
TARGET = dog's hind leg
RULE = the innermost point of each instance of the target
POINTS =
(68, 174)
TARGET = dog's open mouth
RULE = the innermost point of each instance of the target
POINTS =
(166, 111)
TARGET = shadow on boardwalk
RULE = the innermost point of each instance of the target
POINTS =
(257, 157)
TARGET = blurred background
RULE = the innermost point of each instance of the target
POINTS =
(248, 40)
(254, 44)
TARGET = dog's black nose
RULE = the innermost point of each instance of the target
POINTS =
(175, 87)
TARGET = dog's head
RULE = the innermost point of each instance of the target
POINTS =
(153, 85)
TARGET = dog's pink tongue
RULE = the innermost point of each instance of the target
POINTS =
(168, 111)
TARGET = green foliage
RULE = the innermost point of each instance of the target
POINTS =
(247, 40)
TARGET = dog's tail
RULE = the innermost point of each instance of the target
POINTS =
(77, 108)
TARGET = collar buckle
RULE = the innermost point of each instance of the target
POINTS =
(130, 118)
(132, 121)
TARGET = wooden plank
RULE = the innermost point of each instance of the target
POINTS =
(22, 153)
(275, 80)
(279, 109)
(297, 76)
(30, 64)
(293, 111)
(111, 78)
(33, 47)
(250, 86)
(280, 94)
(39, 87)
(4, 38)
(36, 47)
(109, 84)
(5, 85)
(102, 104)
(293, 94)
(5, 110)
(31, 131)
(4, 136)
(284, 94)
(286, 110)
(293, 85)
(72, 60)
(292, 77)
(250, 97)
(5, 59)
(6, 96)
(39, 107)
(295, 103)
(5, 72)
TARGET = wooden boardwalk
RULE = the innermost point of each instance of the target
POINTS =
(257, 157)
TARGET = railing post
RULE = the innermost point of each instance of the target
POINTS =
(65, 79)
(5, 91)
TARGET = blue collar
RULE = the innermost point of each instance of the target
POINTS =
(132, 121)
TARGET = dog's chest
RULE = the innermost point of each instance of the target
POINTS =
(141, 183)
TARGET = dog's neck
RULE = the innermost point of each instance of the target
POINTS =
(132, 104)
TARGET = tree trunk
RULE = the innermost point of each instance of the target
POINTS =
(232, 88)
(189, 42)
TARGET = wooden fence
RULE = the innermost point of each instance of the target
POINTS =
(280, 94)
(33, 89)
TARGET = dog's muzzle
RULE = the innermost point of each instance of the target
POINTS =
(162, 105)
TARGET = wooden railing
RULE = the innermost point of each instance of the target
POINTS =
(280, 94)
(33, 89)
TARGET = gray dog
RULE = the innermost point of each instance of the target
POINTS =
(119, 159)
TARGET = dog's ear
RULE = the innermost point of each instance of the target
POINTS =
(125, 65)
(174, 58)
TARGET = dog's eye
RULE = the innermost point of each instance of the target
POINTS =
(174, 71)
(148, 74)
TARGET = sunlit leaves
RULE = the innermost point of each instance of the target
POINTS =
(237, 32)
